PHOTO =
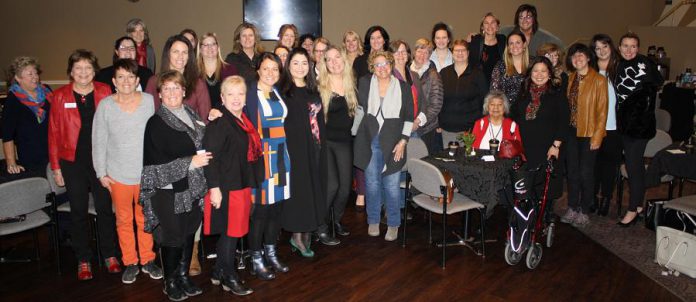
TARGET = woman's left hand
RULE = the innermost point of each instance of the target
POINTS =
(595, 146)
(399, 150)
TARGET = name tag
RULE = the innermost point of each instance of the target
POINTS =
(70, 105)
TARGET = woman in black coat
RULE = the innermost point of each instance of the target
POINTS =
(231, 174)
(304, 129)
(488, 47)
(543, 116)
(173, 183)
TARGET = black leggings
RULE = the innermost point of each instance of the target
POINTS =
(634, 148)
(607, 166)
(173, 228)
(339, 159)
(580, 172)
(265, 225)
(226, 247)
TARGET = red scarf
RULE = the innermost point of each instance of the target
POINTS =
(254, 149)
(142, 54)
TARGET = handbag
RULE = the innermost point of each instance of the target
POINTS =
(511, 149)
(450, 187)
(675, 251)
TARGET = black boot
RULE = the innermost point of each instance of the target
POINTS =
(182, 270)
(231, 283)
(604, 206)
(259, 268)
(170, 261)
(272, 259)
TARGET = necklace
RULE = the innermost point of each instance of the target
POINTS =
(490, 130)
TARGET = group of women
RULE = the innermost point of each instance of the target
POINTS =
(264, 141)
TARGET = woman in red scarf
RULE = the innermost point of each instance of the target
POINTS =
(234, 169)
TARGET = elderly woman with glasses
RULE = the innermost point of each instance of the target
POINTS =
(380, 144)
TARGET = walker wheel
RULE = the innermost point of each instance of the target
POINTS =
(534, 256)
(511, 257)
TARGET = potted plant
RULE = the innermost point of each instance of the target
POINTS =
(467, 138)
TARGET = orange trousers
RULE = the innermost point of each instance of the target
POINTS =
(125, 199)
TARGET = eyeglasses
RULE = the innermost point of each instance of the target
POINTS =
(126, 48)
(527, 17)
(459, 50)
(209, 45)
(380, 65)
(171, 89)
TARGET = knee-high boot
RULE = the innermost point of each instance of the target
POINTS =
(190, 288)
(170, 262)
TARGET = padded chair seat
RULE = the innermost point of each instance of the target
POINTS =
(459, 203)
(33, 220)
(686, 204)
(663, 179)
(65, 207)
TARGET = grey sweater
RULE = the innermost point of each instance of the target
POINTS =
(117, 139)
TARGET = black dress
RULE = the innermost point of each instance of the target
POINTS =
(305, 209)
(19, 124)
(550, 124)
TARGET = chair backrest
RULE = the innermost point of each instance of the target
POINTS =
(52, 182)
(664, 120)
(425, 177)
(2, 153)
(23, 196)
(449, 137)
(415, 149)
(657, 143)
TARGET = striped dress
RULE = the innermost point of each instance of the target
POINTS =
(270, 119)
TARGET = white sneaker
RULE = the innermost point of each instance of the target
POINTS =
(581, 220)
(392, 233)
(373, 230)
(569, 216)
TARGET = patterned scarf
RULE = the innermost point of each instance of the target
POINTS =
(314, 109)
(533, 107)
(254, 150)
(573, 99)
(142, 54)
(36, 105)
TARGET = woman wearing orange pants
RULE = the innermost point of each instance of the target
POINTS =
(117, 151)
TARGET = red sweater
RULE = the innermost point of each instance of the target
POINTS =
(510, 130)
(64, 123)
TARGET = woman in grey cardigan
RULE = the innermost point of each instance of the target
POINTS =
(380, 144)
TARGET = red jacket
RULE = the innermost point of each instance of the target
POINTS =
(510, 130)
(64, 123)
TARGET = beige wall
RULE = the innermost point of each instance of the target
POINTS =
(50, 30)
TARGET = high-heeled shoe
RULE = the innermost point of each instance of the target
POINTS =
(630, 223)
(307, 253)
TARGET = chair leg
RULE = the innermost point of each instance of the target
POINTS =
(98, 238)
(444, 235)
(670, 194)
(430, 227)
(681, 186)
(483, 231)
(403, 239)
(37, 255)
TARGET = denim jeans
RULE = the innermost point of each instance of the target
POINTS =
(381, 189)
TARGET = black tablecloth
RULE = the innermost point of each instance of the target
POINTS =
(677, 165)
(477, 179)
(679, 102)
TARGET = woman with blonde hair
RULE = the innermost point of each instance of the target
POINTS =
(213, 69)
(509, 73)
(352, 46)
(246, 51)
(339, 101)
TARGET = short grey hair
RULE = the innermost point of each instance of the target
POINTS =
(495, 94)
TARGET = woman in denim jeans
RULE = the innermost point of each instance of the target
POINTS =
(380, 144)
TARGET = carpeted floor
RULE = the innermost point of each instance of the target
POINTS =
(636, 244)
